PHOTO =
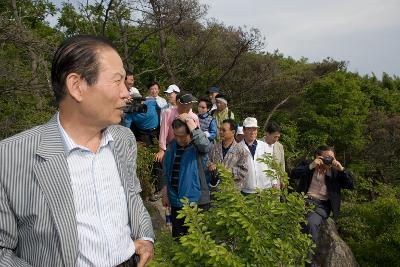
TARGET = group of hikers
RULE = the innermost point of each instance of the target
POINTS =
(69, 193)
(191, 145)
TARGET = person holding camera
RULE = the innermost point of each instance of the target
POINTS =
(322, 180)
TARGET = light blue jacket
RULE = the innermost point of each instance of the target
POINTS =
(189, 175)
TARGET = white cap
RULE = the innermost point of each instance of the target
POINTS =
(239, 130)
(250, 122)
(172, 88)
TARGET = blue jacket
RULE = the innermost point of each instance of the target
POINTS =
(148, 120)
(189, 176)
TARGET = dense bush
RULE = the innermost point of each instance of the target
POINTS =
(144, 170)
(372, 229)
(257, 230)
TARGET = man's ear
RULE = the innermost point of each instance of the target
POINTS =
(75, 86)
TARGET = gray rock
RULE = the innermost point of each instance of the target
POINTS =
(332, 251)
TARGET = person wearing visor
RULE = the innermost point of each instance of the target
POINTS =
(222, 112)
(184, 103)
(171, 92)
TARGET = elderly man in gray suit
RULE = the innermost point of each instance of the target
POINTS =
(69, 194)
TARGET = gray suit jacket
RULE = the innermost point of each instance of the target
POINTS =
(279, 154)
(37, 213)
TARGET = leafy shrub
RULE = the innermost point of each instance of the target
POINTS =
(372, 230)
(144, 171)
(263, 229)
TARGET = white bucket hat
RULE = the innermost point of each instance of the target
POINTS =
(250, 122)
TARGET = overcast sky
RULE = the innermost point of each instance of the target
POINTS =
(365, 33)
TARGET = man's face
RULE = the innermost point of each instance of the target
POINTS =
(211, 96)
(202, 107)
(324, 154)
(250, 134)
(271, 138)
(129, 81)
(327, 153)
(154, 90)
(226, 133)
(102, 103)
(171, 97)
(181, 137)
(239, 138)
(220, 105)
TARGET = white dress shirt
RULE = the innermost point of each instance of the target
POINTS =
(100, 204)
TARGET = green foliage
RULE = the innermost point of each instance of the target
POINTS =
(372, 230)
(315, 103)
(383, 147)
(257, 230)
(144, 170)
(334, 112)
(21, 113)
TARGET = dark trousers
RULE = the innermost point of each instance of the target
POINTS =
(315, 217)
(178, 228)
(145, 136)
(131, 262)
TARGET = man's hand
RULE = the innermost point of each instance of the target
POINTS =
(212, 167)
(186, 118)
(164, 197)
(337, 165)
(315, 163)
(159, 156)
(145, 250)
(276, 186)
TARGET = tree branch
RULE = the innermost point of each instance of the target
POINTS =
(106, 17)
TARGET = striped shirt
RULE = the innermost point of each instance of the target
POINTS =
(100, 204)
(176, 167)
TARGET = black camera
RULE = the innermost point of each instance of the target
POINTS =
(215, 178)
(327, 160)
(136, 105)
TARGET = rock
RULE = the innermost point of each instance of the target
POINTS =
(332, 251)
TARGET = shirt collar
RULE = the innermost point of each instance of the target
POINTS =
(203, 116)
(254, 143)
(271, 146)
(70, 145)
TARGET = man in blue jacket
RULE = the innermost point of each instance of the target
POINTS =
(184, 170)
(144, 124)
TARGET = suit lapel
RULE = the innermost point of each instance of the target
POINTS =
(53, 177)
(122, 161)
